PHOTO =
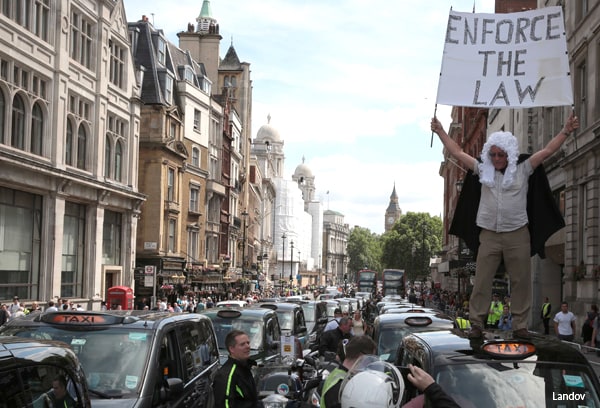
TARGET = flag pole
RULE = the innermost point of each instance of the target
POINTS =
(434, 113)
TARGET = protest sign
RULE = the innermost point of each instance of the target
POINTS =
(515, 60)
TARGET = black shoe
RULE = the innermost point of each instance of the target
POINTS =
(475, 333)
(522, 334)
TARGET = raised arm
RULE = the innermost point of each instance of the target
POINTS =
(452, 147)
(553, 145)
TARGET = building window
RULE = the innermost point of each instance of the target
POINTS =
(197, 119)
(161, 50)
(81, 147)
(34, 15)
(118, 161)
(193, 249)
(18, 123)
(111, 238)
(73, 250)
(115, 136)
(107, 157)
(41, 18)
(170, 184)
(69, 144)
(168, 89)
(20, 241)
(195, 157)
(582, 93)
(194, 199)
(37, 129)
(117, 64)
(2, 113)
(81, 39)
(171, 235)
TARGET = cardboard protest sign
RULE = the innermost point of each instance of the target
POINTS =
(515, 60)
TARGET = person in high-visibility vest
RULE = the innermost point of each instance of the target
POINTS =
(355, 348)
(545, 314)
(495, 312)
(462, 322)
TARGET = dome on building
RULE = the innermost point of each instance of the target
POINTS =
(302, 170)
(268, 132)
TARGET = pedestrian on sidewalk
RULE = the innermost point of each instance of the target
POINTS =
(588, 326)
(564, 323)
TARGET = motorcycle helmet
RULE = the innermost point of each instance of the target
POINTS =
(379, 385)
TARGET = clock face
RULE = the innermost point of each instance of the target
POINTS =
(390, 220)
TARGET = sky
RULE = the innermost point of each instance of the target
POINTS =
(350, 85)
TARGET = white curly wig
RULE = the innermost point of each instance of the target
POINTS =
(507, 142)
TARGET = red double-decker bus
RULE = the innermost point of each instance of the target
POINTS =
(394, 282)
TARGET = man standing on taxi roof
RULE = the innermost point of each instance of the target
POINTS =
(492, 217)
(234, 385)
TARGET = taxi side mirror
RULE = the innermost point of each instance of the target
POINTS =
(171, 389)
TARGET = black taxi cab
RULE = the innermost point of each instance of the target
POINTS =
(501, 371)
(261, 325)
(291, 320)
(134, 358)
(390, 328)
(29, 369)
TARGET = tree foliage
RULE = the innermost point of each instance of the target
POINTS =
(413, 240)
(364, 251)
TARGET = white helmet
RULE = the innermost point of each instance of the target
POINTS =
(379, 385)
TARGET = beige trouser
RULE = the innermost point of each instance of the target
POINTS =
(514, 247)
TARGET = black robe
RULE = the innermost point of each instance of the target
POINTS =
(542, 211)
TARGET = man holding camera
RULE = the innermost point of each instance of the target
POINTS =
(496, 308)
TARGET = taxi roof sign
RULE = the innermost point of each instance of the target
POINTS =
(509, 349)
(229, 313)
(418, 321)
(81, 319)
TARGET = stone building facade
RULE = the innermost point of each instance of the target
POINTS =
(69, 134)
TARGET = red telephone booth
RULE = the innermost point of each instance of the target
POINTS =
(119, 296)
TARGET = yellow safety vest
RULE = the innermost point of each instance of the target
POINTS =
(463, 323)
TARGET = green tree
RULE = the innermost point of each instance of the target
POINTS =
(410, 244)
(364, 250)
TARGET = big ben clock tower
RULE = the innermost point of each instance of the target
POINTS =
(393, 212)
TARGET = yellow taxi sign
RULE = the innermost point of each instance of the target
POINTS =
(509, 349)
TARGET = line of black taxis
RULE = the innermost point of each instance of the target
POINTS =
(497, 371)
(151, 359)
(157, 359)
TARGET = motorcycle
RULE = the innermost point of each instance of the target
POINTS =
(312, 387)
(288, 386)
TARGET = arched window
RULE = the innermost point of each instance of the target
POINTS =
(107, 157)
(81, 147)
(2, 113)
(118, 160)
(18, 123)
(37, 129)
(69, 144)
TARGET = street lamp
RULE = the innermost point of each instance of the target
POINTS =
(245, 215)
(291, 263)
(283, 237)
(299, 263)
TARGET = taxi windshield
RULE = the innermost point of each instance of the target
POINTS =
(519, 384)
(253, 327)
(112, 359)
